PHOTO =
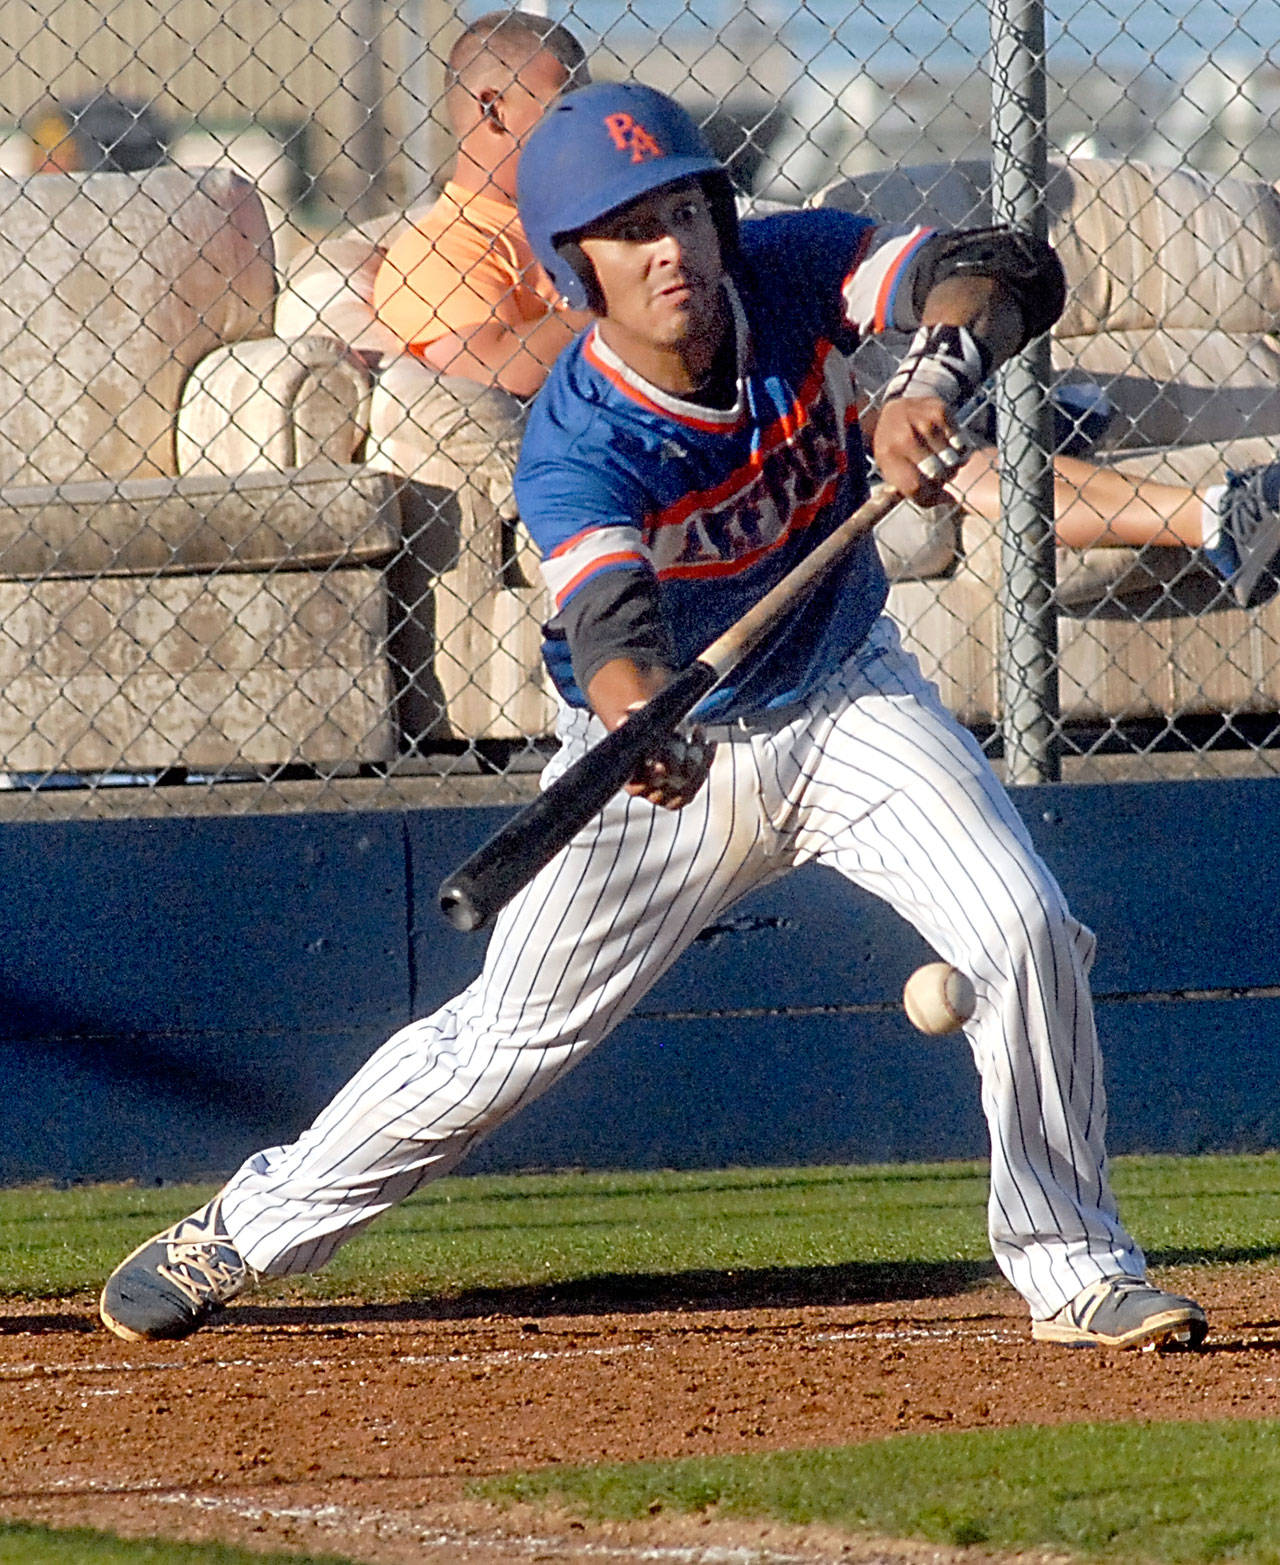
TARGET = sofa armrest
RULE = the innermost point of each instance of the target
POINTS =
(919, 542)
(273, 404)
(327, 291)
(318, 516)
(1144, 247)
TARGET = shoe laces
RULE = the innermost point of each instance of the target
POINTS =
(207, 1270)
(1245, 505)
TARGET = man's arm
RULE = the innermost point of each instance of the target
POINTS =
(979, 297)
(515, 357)
(916, 417)
(451, 298)
(672, 775)
(622, 656)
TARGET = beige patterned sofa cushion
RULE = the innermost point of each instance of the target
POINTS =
(232, 615)
(115, 286)
(1174, 286)
(271, 404)
(197, 621)
(1147, 247)
(225, 670)
(1143, 245)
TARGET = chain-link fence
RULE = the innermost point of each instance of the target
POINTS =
(244, 539)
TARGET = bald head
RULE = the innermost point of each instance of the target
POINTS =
(503, 73)
(493, 52)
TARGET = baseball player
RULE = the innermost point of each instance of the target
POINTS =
(695, 442)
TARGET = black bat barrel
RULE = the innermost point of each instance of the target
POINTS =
(479, 888)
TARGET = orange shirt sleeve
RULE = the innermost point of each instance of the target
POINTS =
(439, 278)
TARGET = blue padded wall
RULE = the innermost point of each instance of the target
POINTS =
(178, 993)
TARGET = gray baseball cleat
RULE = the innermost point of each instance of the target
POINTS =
(170, 1286)
(1125, 1312)
(1249, 541)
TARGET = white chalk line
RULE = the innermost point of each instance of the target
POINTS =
(340, 1518)
(37, 1371)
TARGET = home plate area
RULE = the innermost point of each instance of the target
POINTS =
(356, 1429)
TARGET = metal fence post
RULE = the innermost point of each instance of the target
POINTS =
(1029, 645)
(367, 146)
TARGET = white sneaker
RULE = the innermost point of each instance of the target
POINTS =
(1125, 1312)
(170, 1286)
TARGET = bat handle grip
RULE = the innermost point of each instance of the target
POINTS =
(481, 887)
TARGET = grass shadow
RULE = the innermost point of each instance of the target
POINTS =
(657, 1293)
(638, 1294)
(1209, 1255)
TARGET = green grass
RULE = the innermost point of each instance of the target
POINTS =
(531, 1231)
(1176, 1493)
(22, 1545)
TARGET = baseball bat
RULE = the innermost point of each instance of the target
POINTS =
(483, 885)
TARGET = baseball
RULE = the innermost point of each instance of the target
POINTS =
(938, 998)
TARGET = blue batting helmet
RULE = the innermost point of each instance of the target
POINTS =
(596, 150)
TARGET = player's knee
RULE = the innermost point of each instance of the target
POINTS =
(1038, 932)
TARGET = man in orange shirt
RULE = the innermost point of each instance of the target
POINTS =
(461, 288)
(479, 325)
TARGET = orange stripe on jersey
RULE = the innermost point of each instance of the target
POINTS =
(631, 390)
(623, 557)
(800, 519)
(782, 429)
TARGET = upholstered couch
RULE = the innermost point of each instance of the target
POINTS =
(192, 562)
(1173, 312)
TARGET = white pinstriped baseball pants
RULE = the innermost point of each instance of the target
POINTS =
(872, 777)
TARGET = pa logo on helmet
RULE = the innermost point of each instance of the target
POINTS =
(627, 134)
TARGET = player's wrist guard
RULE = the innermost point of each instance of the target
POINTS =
(943, 361)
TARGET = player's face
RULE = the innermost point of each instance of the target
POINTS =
(659, 268)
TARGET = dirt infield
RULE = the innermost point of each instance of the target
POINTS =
(349, 1429)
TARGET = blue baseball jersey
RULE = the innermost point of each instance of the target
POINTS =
(616, 474)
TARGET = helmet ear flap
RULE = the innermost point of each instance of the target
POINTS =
(718, 189)
(575, 258)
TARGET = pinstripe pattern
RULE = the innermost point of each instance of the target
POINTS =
(873, 777)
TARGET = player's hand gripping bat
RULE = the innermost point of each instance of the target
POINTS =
(487, 881)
